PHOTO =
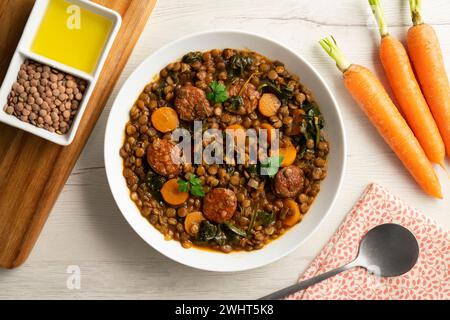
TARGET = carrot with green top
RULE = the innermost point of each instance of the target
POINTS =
(407, 91)
(426, 55)
(370, 94)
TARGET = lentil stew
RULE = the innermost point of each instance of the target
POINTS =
(225, 207)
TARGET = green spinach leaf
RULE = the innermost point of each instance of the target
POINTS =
(207, 231)
(253, 170)
(266, 218)
(154, 183)
(192, 57)
(160, 90)
(235, 229)
(284, 93)
(221, 237)
(313, 122)
(234, 103)
(238, 64)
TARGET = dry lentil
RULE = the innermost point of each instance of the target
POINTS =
(42, 95)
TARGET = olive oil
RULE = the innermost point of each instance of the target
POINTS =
(72, 35)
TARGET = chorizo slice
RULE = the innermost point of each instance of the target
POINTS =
(191, 103)
(219, 205)
(161, 155)
(289, 182)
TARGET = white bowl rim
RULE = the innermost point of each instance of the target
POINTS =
(339, 119)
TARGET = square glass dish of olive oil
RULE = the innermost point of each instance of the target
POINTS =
(72, 35)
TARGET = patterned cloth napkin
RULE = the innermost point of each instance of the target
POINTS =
(429, 279)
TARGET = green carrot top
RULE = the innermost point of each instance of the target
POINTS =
(331, 47)
(416, 8)
(377, 10)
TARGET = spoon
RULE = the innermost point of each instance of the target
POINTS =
(388, 250)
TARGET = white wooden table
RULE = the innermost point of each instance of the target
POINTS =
(87, 230)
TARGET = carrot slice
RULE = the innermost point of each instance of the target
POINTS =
(373, 99)
(426, 54)
(165, 119)
(235, 127)
(289, 154)
(237, 131)
(407, 91)
(295, 216)
(193, 218)
(172, 195)
(269, 104)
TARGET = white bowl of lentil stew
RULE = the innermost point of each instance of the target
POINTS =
(226, 216)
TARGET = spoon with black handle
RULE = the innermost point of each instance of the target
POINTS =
(388, 250)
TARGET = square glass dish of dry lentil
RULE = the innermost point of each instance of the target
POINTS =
(45, 97)
(224, 207)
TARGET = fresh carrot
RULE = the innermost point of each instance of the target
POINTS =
(407, 91)
(426, 55)
(367, 90)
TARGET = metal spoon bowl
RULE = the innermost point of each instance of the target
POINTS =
(388, 250)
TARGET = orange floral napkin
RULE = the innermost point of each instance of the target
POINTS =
(429, 279)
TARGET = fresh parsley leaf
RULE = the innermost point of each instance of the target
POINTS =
(194, 180)
(197, 191)
(183, 186)
(219, 93)
(194, 186)
(272, 165)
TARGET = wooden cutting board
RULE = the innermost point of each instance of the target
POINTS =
(33, 171)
